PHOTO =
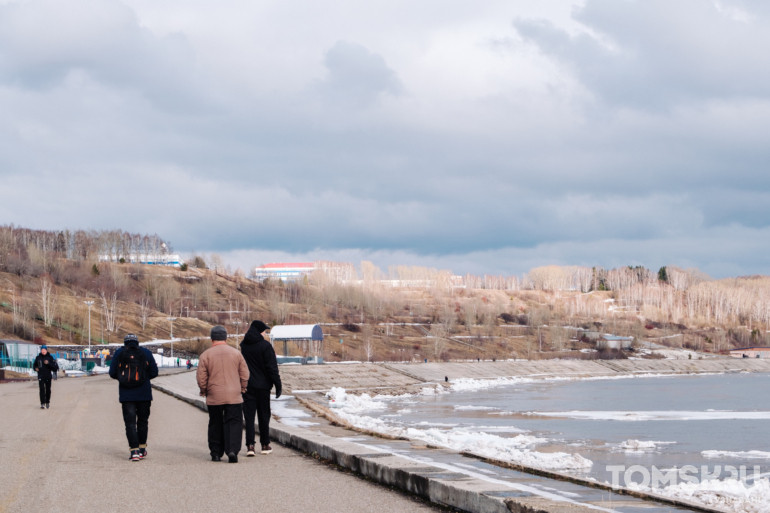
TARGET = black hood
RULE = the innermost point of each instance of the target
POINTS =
(252, 336)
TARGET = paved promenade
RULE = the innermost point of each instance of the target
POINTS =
(74, 458)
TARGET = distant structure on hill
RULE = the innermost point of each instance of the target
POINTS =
(146, 259)
(751, 352)
(297, 271)
(344, 272)
(289, 271)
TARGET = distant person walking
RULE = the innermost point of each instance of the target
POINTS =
(222, 377)
(263, 375)
(134, 367)
(45, 365)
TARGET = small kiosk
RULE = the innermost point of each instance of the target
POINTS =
(308, 338)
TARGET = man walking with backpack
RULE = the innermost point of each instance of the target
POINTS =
(134, 367)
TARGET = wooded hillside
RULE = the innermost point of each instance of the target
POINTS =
(47, 277)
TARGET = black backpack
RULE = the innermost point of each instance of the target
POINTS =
(132, 367)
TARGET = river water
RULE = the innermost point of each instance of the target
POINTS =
(620, 431)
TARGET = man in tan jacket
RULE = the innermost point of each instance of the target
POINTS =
(222, 377)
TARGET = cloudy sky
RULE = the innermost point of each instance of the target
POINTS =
(481, 137)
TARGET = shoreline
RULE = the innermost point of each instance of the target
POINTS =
(438, 483)
(395, 378)
(309, 383)
(428, 375)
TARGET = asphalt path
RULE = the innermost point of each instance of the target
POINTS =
(73, 457)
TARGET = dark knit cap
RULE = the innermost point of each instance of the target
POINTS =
(259, 326)
(218, 333)
(130, 338)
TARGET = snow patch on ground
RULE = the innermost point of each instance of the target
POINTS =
(290, 416)
(640, 446)
(752, 455)
(728, 494)
(517, 449)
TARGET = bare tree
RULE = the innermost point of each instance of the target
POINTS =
(558, 337)
(47, 300)
(215, 262)
(110, 311)
(279, 308)
(447, 316)
(144, 310)
(165, 292)
(370, 272)
(537, 318)
(438, 337)
(719, 340)
(368, 342)
(471, 312)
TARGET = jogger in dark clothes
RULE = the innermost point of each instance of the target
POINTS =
(45, 365)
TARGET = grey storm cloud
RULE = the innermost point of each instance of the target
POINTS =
(357, 76)
(656, 54)
(483, 140)
(45, 43)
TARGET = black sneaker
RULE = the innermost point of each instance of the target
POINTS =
(266, 449)
(232, 457)
(214, 457)
(142, 453)
(250, 450)
(47, 405)
(135, 455)
(42, 406)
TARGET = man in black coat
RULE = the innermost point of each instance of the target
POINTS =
(263, 375)
(135, 398)
(45, 365)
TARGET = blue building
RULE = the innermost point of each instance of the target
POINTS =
(18, 355)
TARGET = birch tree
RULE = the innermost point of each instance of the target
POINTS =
(438, 338)
(368, 342)
(110, 311)
(144, 309)
(47, 300)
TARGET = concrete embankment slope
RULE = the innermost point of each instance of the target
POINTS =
(353, 376)
(374, 377)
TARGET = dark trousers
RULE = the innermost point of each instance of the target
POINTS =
(136, 415)
(45, 390)
(256, 403)
(225, 421)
